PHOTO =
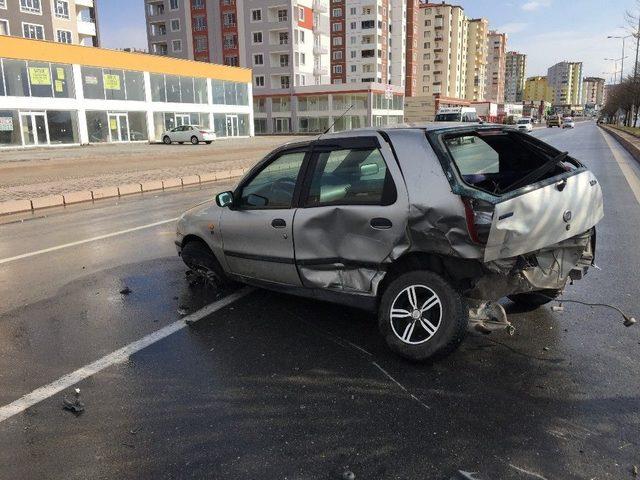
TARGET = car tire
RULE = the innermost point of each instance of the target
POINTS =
(436, 331)
(200, 259)
(535, 299)
(194, 140)
(166, 140)
(209, 142)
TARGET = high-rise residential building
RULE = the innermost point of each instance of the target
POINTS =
(536, 89)
(368, 41)
(496, 66)
(477, 31)
(411, 45)
(516, 66)
(565, 81)
(441, 51)
(285, 43)
(593, 91)
(65, 21)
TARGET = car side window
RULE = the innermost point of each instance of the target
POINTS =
(274, 185)
(351, 177)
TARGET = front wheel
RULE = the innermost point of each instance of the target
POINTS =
(421, 316)
(194, 140)
(535, 299)
(166, 140)
(200, 259)
(209, 142)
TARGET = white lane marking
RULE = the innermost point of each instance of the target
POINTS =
(87, 240)
(627, 171)
(113, 358)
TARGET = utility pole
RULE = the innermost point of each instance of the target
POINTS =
(635, 75)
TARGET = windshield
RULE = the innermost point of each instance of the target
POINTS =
(448, 117)
(523, 122)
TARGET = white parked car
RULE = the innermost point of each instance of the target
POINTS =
(567, 122)
(188, 133)
(524, 125)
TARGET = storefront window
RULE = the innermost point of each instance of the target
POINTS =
(217, 87)
(242, 94)
(230, 93)
(186, 90)
(92, 83)
(63, 127)
(398, 101)
(62, 80)
(220, 124)
(158, 91)
(138, 126)
(134, 82)
(260, 125)
(40, 79)
(98, 126)
(15, 74)
(243, 125)
(10, 128)
(2, 92)
(113, 81)
(200, 87)
(173, 88)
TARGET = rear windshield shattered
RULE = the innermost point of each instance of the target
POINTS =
(498, 162)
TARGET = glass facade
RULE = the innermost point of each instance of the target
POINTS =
(382, 103)
(21, 78)
(99, 96)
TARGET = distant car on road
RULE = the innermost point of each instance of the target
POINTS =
(568, 122)
(188, 133)
(554, 121)
(428, 227)
(457, 114)
(525, 125)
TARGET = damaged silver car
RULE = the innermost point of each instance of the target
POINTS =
(428, 226)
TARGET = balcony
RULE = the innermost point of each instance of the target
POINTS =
(86, 28)
(318, 71)
(85, 3)
(320, 7)
(320, 50)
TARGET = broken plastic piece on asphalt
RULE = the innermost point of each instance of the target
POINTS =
(634, 470)
(348, 475)
(73, 405)
(557, 308)
(182, 310)
(125, 291)
(546, 349)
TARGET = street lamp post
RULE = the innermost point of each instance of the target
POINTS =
(615, 67)
(623, 57)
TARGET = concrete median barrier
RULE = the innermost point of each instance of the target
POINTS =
(171, 182)
(48, 201)
(15, 206)
(191, 180)
(77, 197)
(152, 185)
(130, 189)
(106, 192)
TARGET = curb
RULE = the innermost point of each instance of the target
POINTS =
(62, 200)
(633, 150)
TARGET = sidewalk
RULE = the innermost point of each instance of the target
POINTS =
(32, 173)
(631, 143)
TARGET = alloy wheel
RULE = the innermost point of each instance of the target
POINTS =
(416, 314)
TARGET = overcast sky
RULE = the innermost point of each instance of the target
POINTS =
(548, 31)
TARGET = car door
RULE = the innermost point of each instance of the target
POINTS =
(257, 232)
(353, 214)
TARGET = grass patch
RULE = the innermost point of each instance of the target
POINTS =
(635, 131)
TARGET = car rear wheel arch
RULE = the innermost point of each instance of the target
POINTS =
(457, 271)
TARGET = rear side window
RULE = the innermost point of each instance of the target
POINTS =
(351, 177)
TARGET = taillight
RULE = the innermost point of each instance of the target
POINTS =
(479, 215)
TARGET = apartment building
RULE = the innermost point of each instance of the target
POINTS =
(64, 21)
(477, 31)
(442, 50)
(285, 43)
(411, 45)
(536, 89)
(516, 65)
(593, 91)
(368, 41)
(565, 82)
(496, 66)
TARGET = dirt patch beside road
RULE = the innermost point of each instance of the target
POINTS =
(26, 174)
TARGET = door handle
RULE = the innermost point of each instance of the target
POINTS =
(278, 223)
(381, 223)
(561, 184)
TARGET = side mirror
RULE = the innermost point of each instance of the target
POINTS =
(369, 169)
(224, 199)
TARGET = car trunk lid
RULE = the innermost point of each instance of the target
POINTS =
(544, 216)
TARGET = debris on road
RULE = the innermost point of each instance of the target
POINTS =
(182, 311)
(73, 405)
(348, 475)
(634, 470)
(125, 291)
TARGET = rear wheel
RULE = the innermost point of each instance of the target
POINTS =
(421, 316)
(535, 299)
(202, 262)
(208, 142)
(166, 140)
(194, 140)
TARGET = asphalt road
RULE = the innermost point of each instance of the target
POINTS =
(280, 387)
